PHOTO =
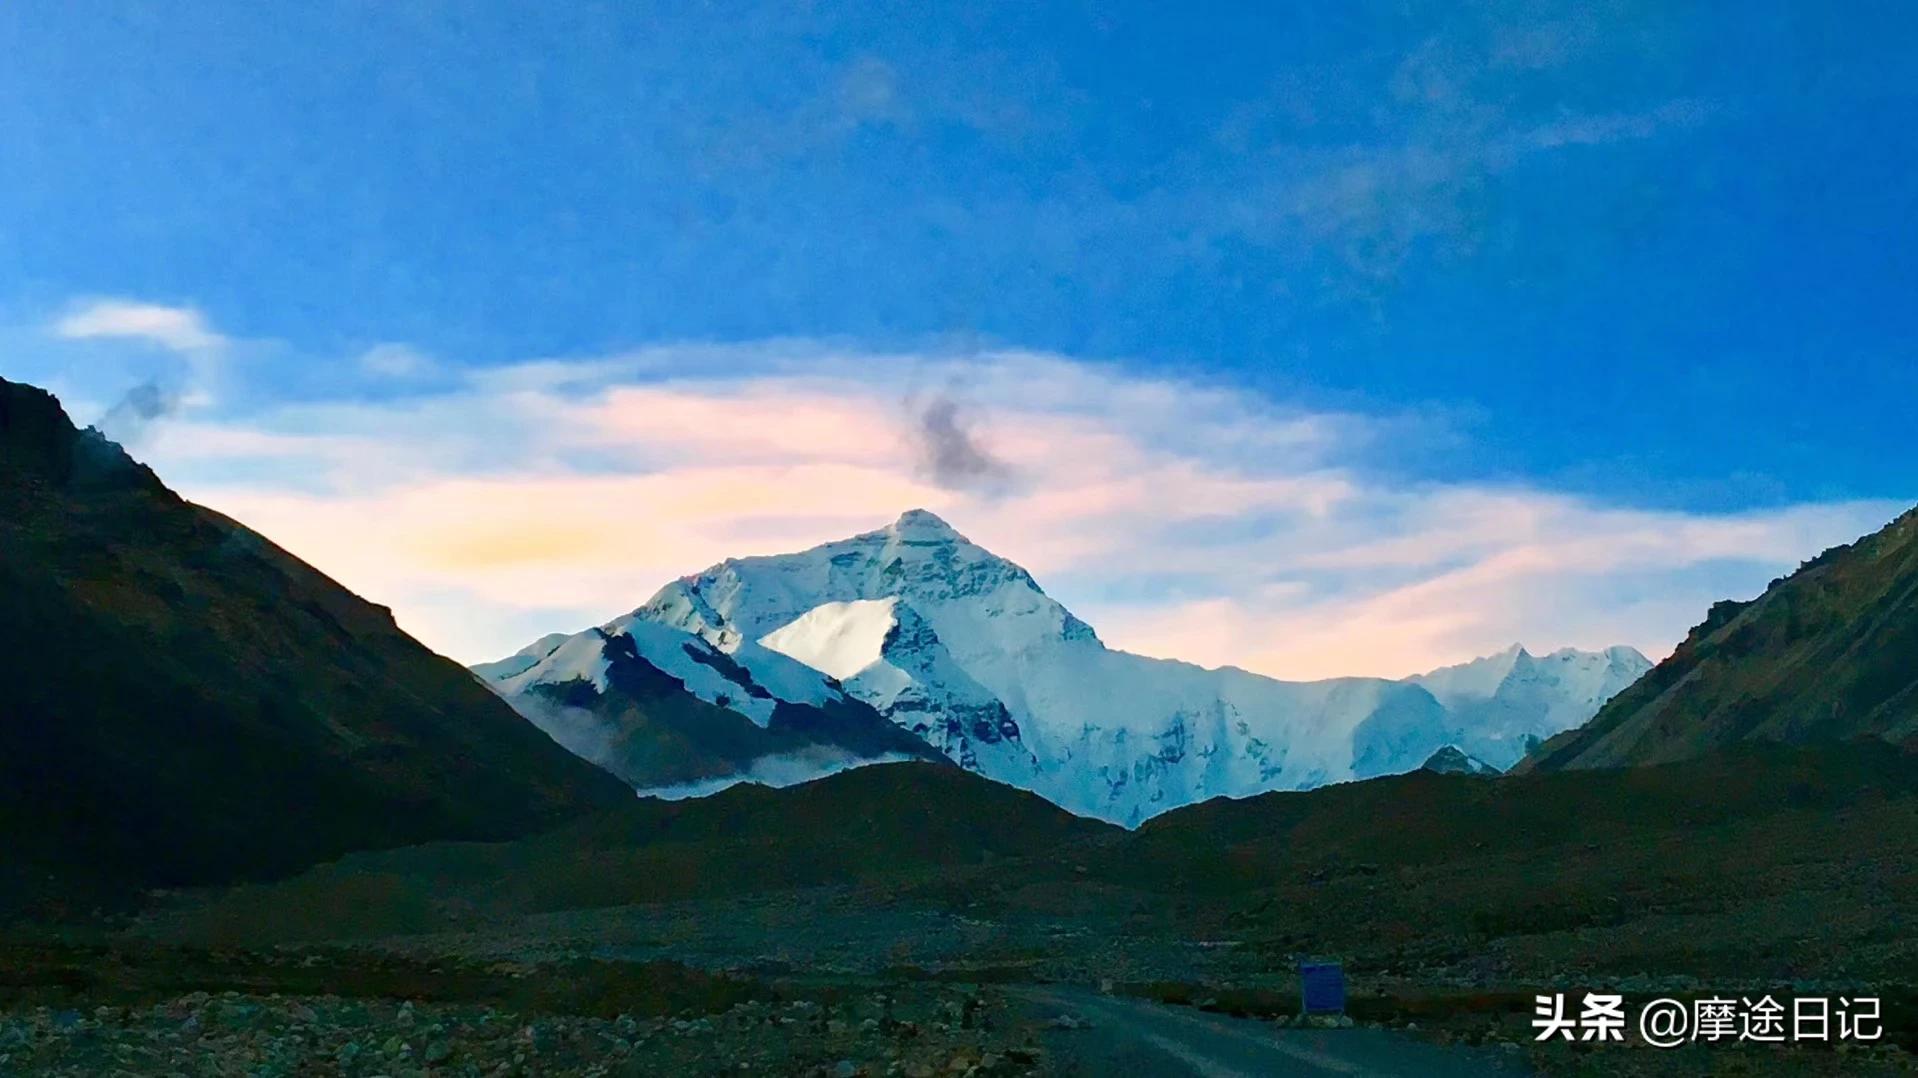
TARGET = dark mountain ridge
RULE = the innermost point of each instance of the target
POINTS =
(186, 703)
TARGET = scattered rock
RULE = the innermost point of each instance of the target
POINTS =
(282, 1037)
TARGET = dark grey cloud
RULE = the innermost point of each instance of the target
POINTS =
(950, 454)
(133, 415)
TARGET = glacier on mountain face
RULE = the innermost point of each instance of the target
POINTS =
(964, 650)
(837, 639)
(885, 654)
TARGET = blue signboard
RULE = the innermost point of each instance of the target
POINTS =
(1323, 986)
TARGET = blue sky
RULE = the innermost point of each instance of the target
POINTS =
(1636, 258)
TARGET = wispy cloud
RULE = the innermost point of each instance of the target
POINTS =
(1194, 521)
(181, 329)
(1604, 128)
(397, 361)
(1386, 160)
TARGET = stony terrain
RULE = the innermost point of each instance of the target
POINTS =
(97, 1011)
(265, 1036)
(568, 1020)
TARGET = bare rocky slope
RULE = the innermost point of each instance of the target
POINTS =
(1829, 653)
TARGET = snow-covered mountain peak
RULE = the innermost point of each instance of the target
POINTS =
(975, 600)
(1507, 700)
(1612, 661)
(1476, 679)
(924, 526)
(962, 649)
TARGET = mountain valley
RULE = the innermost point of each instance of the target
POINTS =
(250, 822)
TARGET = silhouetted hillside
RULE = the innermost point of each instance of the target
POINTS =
(186, 703)
(870, 824)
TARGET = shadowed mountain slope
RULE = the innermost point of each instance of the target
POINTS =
(186, 703)
(862, 826)
(1431, 818)
(1828, 653)
(1760, 861)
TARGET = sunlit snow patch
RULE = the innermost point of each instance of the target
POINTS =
(837, 639)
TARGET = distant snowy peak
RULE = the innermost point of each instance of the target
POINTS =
(1475, 680)
(918, 557)
(959, 651)
(522, 660)
(1506, 702)
(1599, 673)
(923, 526)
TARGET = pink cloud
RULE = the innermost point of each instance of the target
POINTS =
(574, 490)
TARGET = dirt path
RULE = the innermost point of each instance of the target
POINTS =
(1134, 1037)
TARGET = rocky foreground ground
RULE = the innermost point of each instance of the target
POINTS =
(925, 1033)
(915, 1029)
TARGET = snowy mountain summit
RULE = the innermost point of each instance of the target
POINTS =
(963, 649)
